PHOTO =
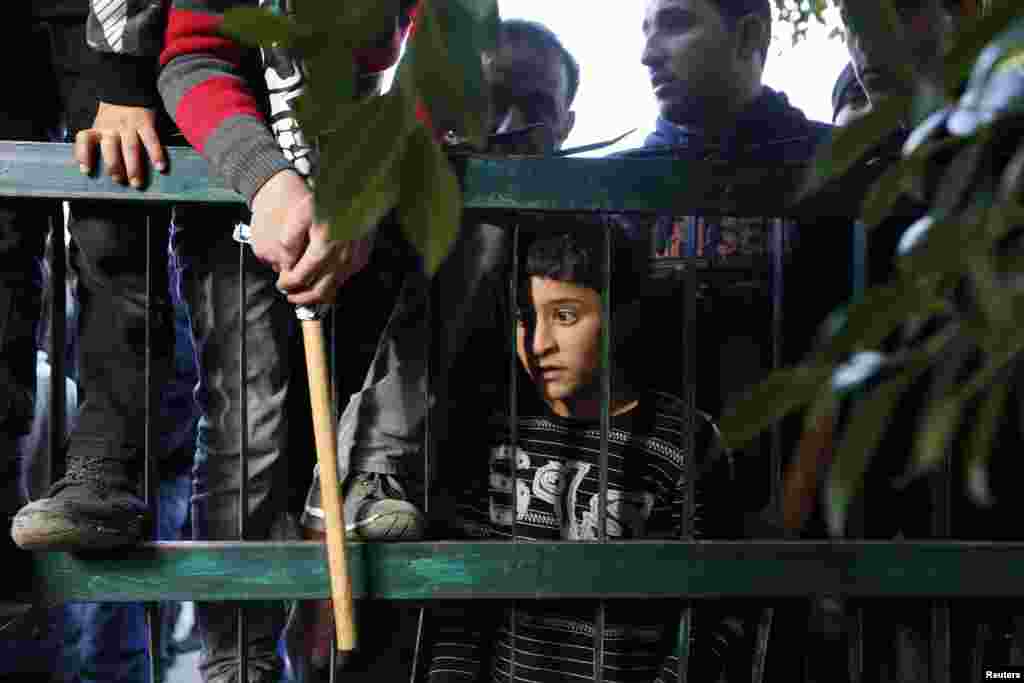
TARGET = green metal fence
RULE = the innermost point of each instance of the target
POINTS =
(423, 572)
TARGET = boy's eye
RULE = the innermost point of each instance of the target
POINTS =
(565, 316)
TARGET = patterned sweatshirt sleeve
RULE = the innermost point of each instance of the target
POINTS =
(205, 90)
(206, 93)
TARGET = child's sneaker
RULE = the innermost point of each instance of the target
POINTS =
(376, 508)
(96, 505)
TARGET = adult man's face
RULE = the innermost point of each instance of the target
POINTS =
(927, 30)
(690, 53)
(529, 85)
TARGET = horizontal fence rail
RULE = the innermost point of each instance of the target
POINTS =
(526, 571)
(47, 170)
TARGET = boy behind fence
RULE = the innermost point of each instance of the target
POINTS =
(548, 483)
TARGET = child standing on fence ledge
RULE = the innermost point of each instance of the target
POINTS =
(548, 483)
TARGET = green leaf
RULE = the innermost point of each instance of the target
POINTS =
(873, 317)
(349, 24)
(851, 143)
(981, 442)
(359, 171)
(782, 392)
(886, 191)
(977, 50)
(932, 247)
(430, 206)
(328, 102)
(257, 26)
(1011, 184)
(446, 67)
(943, 411)
(867, 424)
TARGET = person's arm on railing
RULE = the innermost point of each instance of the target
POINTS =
(206, 91)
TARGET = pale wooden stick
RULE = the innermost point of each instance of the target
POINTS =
(330, 489)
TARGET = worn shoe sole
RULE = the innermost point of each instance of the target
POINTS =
(387, 519)
(38, 527)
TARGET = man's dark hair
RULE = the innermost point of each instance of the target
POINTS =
(734, 10)
(541, 35)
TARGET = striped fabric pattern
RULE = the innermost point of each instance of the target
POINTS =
(549, 485)
(204, 88)
(113, 17)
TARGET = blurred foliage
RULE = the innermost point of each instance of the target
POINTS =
(375, 154)
(953, 311)
(800, 14)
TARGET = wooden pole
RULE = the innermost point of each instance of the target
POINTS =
(330, 489)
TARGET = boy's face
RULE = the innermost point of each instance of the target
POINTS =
(559, 341)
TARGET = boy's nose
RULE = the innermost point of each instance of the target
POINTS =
(543, 341)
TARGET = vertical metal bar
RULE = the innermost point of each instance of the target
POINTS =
(855, 526)
(982, 637)
(689, 406)
(856, 645)
(417, 653)
(941, 636)
(513, 420)
(428, 452)
(243, 463)
(58, 335)
(606, 399)
(778, 300)
(764, 630)
(151, 475)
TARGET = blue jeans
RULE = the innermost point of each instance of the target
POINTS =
(206, 258)
(108, 639)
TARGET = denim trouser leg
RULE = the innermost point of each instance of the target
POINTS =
(383, 423)
(111, 265)
(210, 288)
(110, 638)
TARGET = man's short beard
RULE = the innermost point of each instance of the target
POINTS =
(690, 110)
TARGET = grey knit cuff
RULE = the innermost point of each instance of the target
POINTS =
(246, 154)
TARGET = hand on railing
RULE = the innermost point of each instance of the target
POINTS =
(286, 236)
(121, 133)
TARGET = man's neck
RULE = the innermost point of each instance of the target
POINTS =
(721, 124)
(588, 407)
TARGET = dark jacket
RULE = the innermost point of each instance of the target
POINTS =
(127, 79)
(771, 131)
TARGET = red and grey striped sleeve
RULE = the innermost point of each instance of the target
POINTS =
(204, 89)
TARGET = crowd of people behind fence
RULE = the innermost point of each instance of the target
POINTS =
(124, 80)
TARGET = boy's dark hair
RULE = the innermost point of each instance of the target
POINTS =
(575, 252)
(734, 10)
(540, 34)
